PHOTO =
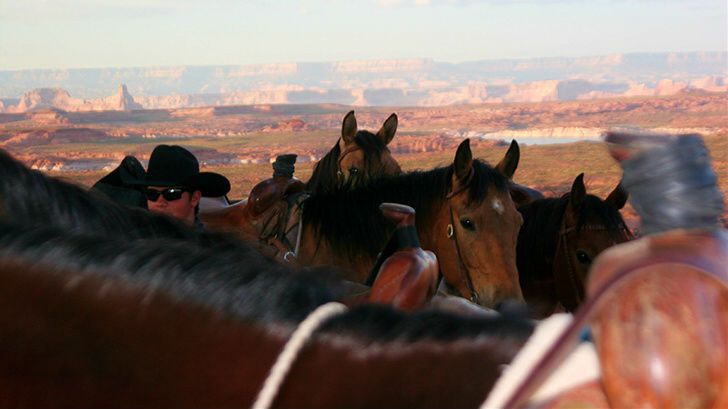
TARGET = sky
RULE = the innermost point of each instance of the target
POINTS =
(61, 34)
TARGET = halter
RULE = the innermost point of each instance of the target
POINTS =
(345, 152)
(450, 233)
(566, 284)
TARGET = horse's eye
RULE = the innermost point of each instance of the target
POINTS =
(583, 257)
(354, 170)
(467, 223)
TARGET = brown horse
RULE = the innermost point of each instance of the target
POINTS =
(358, 157)
(465, 215)
(558, 241)
(96, 321)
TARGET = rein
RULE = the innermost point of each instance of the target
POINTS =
(566, 284)
(450, 232)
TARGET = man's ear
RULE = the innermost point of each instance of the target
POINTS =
(195, 197)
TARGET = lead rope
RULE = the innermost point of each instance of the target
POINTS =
(290, 352)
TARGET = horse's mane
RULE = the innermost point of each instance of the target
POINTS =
(324, 176)
(351, 222)
(30, 197)
(261, 292)
(542, 220)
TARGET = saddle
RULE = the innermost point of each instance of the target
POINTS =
(273, 206)
(656, 306)
(404, 276)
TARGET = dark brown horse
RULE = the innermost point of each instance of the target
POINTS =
(95, 321)
(558, 241)
(358, 157)
(465, 215)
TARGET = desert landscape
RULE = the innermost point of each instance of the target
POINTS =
(240, 141)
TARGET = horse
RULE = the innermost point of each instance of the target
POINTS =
(465, 215)
(31, 198)
(357, 158)
(559, 239)
(98, 321)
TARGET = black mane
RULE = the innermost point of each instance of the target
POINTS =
(32, 198)
(324, 176)
(262, 292)
(351, 222)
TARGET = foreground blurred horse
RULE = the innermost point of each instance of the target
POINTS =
(465, 215)
(558, 241)
(89, 321)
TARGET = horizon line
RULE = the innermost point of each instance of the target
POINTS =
(370, 60)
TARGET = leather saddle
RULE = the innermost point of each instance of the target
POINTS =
(273, 209)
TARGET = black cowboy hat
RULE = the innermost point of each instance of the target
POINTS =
(173, 165)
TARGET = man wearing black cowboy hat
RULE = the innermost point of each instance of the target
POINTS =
(174, 183)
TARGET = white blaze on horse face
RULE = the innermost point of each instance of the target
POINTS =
(498, 206)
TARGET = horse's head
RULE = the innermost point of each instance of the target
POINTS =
(477, 245)
(589, 226)
(363, 156)
(357, 158)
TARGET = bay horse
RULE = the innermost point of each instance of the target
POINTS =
(559, 239)
(357, 158)
(465, 215)
(100, 321)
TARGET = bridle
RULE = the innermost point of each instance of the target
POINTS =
(339, 172)
(450, 233)
(566, 283)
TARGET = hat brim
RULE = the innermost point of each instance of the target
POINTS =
(210, 184)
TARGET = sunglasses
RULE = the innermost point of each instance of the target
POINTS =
(171, 194)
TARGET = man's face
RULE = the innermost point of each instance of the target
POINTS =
(182, 208)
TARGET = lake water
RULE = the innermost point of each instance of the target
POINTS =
(542, 141)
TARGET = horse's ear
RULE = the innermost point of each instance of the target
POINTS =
(463, 160)
(348, 128)
(389, 128)
(578, 193)
(509, 163)
(618, 197)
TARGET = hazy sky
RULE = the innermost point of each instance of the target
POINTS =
(132, 33)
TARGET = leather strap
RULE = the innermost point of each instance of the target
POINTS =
(462, 268)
